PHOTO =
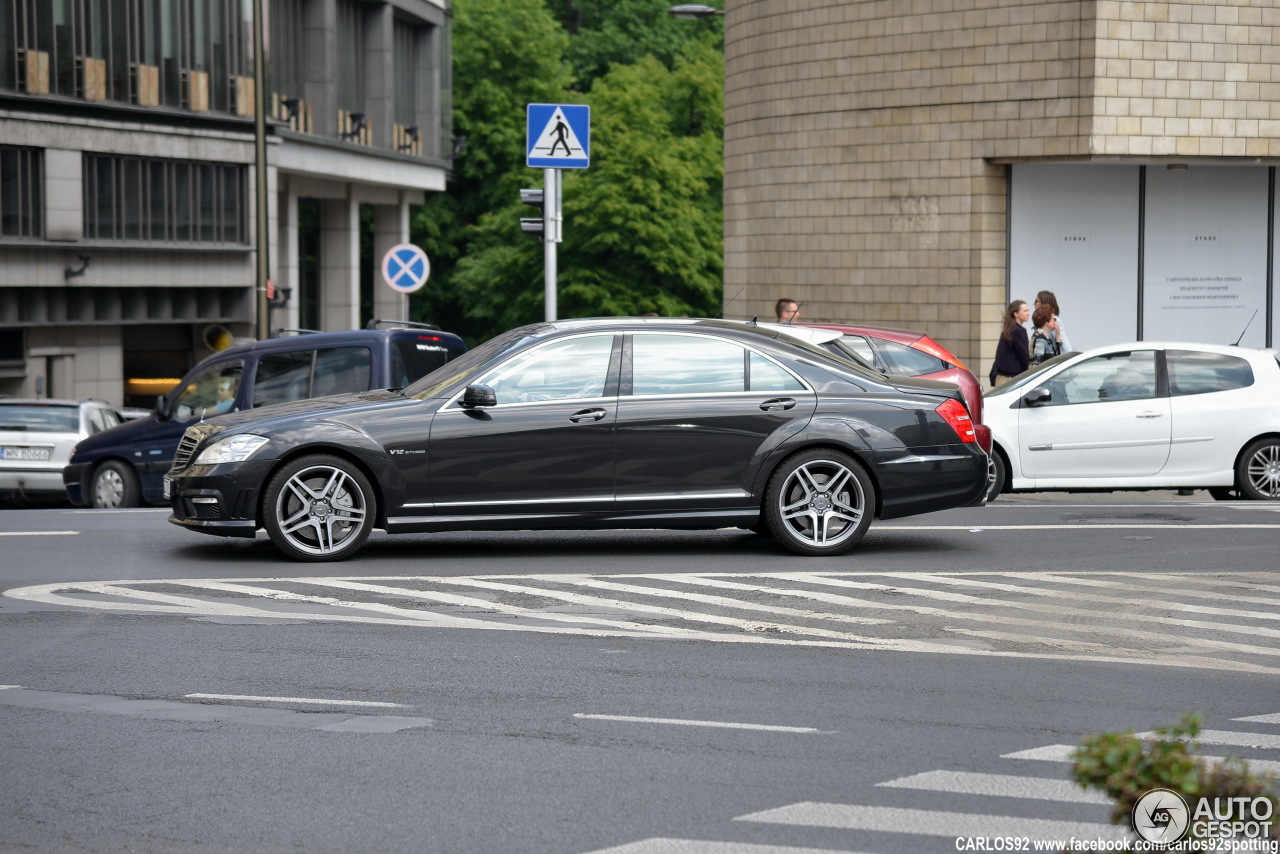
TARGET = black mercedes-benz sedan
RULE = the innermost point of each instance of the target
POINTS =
(602, 423)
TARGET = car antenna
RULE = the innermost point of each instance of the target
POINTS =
(1246, 327)
(752, 321)
(724, 303)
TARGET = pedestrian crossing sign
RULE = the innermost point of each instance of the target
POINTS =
(558, 136)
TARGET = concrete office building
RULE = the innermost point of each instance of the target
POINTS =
(127, 205)
(919, 163)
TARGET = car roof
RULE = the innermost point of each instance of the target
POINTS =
(812, 334)
(1203, 346)
(312, 340)
(32, 401)
(673, 323)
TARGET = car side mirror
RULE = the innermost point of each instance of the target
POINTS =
(1038, 397)
(479, 395)
(162, 409)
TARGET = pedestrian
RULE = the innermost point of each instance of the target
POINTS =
(1044, 338)
(1013, 349)
(1047, 298)
(786, 310)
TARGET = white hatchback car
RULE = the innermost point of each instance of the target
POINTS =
(1143, 415)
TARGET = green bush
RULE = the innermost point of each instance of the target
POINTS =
(1127, 767)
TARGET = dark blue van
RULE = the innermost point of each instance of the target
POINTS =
(125, 466)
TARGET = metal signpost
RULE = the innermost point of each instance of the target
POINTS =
(558, 136)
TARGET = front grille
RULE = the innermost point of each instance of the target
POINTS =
(191, 440)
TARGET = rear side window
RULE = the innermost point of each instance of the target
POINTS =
(686, 364)
(341, 370)
(907, 361)
(283, 377)
(414, 358)
(1195, 372)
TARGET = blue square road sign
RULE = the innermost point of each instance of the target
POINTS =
(558, 136)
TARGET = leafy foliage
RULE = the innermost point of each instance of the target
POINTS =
(1127, 767)
(643, 225)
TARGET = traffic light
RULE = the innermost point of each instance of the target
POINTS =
(531, 225)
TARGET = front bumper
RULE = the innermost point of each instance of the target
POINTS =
(73, 480)
(220, 500)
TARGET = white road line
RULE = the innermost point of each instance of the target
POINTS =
(470, 601)
(722, 601)
(1066, 753)
(1201, 579)
(721, 724)
(298, 700)
(1000, 786)
(1119, 526)
(942, 578)
(663, 845)
(718, 580)
(929, 822)
(38, 533)
(1081, 581)
(1263, 740)
(8, 687)
(836, 580)
(1260, 719)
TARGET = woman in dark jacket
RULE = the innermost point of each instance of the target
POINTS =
(1012, 350)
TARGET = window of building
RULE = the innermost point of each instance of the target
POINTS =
(21, 196)
(135, 198)
(350, 58)
(287, 29)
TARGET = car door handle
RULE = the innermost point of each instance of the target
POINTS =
(1149, 415)
(777, 404)
(587, 415)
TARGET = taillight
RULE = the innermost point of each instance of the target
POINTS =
(955, 414)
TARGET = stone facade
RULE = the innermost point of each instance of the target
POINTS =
(867, 143)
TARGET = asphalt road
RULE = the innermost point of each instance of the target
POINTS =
(643, 692)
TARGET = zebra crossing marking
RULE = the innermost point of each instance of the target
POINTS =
(998, 785)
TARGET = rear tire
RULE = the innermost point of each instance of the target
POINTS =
(319, 508)
(997, 475)
(1258, 471)
(114, 485)
(819, 502)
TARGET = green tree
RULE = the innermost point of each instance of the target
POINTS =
(620, 32)
(506, 54)
(643, 225)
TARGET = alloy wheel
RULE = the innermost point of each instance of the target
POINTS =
(321, 510)
(822, 504)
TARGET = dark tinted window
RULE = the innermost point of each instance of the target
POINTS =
(907, 361)
(283, 377)
(412, 358)
(1193, 372)
(341, 370)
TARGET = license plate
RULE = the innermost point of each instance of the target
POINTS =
(37, 454)
(168, 487)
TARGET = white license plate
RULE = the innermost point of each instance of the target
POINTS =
(37, 454)
(168, 487)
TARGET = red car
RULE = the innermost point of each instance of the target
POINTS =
(908, 354)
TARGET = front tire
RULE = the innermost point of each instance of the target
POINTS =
(114, 486)
(319, 508)
(819, 502)
(1258, 471)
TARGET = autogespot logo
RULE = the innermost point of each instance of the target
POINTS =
(1161, 816)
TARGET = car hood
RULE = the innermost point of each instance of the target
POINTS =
(353, 402)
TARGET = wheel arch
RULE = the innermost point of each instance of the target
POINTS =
(998, 449)
(859, 455)
(1235, 465)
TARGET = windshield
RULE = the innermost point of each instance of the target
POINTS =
(471, 362)
(1028, 377)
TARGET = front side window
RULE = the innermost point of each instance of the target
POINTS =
(571, 369)
(1104, 379)
(211, 393)
(1193, 372)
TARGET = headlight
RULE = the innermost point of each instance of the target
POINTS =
(233, 449)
